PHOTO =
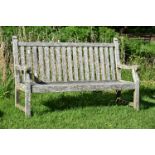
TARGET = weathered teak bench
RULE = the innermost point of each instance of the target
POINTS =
(42, 67)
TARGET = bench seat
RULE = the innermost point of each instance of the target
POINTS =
(79, 86)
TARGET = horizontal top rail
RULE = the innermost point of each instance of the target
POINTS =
(61, 44)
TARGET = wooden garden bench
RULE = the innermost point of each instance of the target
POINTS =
(41, 67)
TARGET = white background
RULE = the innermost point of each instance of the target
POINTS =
(77, 13)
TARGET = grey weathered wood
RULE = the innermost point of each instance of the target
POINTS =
(35, 61)
(64, 64)
(28, 99)
(61, 44)
(22, 60)
(136, 91)
(69, 59)
(73, 68)
(102, 62)
(15, 55)
(28, 59)
(91, 62)
(117, 58)
(76, 78)
(86, 63)
(112, 62)
(41, 63)
(80, 63)
(47, 63)
(107, 63)
(58, 63)
(82, 86)
(53, 68)
(97, 64)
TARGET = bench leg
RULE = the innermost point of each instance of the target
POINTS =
(118, 95)
(28, 101)
(136, 98)
(16, 97)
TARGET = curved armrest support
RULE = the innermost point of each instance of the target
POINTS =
(27, 72)
(135, 67)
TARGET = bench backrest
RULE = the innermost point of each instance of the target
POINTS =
(51, 62)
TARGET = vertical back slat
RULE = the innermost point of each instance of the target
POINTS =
(86, 63)
(70, 72)
(53, 68)
(80, 63)
(76, 78)
(22, 59)
(35, 62)
(47, 66)
(97, 64)
(41, 63)
(107, 63)
(112, 63)
(28, 57)
(91, 63)
(117, 58)
(102, 63)
(58, 63)
(64, 64)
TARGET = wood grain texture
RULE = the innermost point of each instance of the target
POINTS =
(58, 64)
(69, 59)
(82, 86)
(22, 53)
(97, 64)
(86, 63)
(112, 64)
(64, 64)
(80, 63)
(76, 76)
(47, 64)
(91, 62)
(41, 63)
(102, 62)
(35, 61)
(53, 68)
(56, 44)
(107, 63)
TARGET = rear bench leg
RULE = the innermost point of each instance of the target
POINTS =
(118, 96)
(28, 100)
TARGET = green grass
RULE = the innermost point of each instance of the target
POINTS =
(81, 110)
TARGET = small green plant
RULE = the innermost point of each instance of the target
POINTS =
(7, 86)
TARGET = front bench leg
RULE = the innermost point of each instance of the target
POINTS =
(136, 91)
(28, 100)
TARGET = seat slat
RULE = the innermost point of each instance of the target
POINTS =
(53, 68)
(47, 65)
(76, 78)
(97, 64)
(82, 86)
(70, 72)
(41, 63)
(91, 63)
(86, 63)
(102, 62)
(35, 61)
(80, 63)
(112, 63)
(58, 64)
(107, 63)
(64, 64)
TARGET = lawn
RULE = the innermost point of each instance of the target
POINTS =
(81, 110)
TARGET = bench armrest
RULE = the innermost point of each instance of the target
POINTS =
(26, 71)
(133, 67)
